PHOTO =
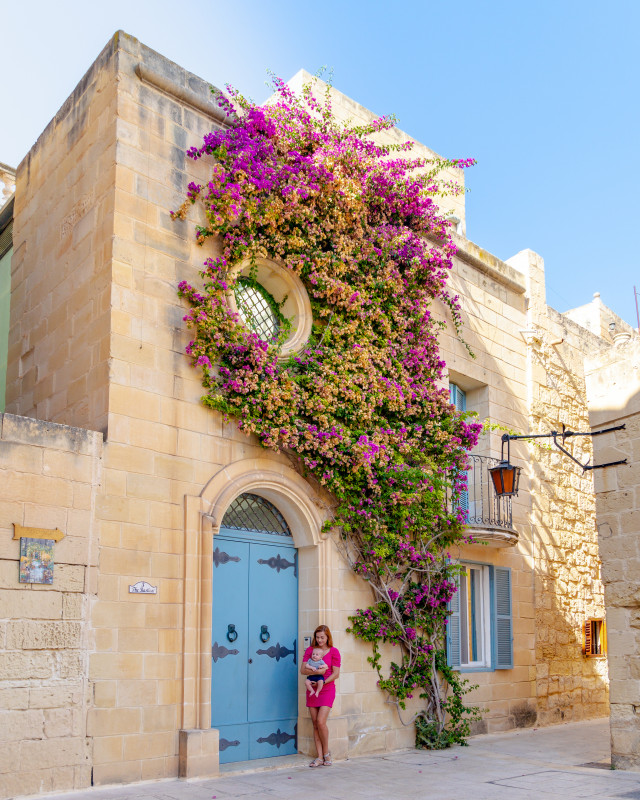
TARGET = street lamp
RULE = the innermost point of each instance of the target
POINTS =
(506, 476)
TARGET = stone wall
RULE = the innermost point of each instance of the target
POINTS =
(568, 589)
(63, 222)
(614, 393)
(162, 444)
(493, 298)
(49, 475)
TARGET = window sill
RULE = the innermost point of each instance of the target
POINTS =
(471, 670)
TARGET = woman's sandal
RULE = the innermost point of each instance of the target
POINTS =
(326, 761)
(317, 762)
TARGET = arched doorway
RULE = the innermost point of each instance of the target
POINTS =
(254, 680)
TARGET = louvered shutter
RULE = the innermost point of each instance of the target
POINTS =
(586, 638)
(503, 618)
(453, 630)
(459, 399)
(6, 239)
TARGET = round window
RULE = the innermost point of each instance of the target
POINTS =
(257, 309)
(271, 301)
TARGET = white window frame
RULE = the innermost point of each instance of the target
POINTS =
(484, 596)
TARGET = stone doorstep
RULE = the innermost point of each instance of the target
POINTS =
(260, 765)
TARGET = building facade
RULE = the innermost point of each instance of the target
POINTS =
(114, 673)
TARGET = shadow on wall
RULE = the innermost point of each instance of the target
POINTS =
(568, 591)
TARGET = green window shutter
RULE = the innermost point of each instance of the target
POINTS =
(503, 623)
(453, 631)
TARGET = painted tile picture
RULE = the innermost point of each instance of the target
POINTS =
(36, 560)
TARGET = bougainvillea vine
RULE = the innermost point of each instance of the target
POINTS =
(359, 408)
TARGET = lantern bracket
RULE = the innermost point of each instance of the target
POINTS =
(507, 437)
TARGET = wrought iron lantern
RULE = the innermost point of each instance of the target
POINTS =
(506, 476)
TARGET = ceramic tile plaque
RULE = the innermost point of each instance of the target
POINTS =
(36, 560)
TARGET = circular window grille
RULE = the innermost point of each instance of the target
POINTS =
(256, 311)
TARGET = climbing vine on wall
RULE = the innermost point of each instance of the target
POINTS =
(358, 408)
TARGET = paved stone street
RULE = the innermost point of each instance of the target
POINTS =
(556, 763)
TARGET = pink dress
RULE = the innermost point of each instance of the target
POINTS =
(328, 692)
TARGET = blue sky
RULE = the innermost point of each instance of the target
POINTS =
(543, 94)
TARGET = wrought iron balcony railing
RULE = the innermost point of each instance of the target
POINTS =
(481, 506)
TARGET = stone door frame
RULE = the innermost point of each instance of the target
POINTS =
(305, 511)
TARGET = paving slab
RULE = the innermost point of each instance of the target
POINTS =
(556, 763)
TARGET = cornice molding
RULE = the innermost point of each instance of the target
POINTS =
(490, 265)
(159, 81)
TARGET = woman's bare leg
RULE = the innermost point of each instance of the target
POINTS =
(316, 735)
(320, 725)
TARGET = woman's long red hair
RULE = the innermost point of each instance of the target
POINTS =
(322, 629)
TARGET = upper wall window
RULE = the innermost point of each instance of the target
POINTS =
(457, 397)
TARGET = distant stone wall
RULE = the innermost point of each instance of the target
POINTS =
(8, 183)
(48, 479)
(614, 394)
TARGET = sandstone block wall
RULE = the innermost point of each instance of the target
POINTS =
(63, 222)
(162, 444)
(492, 294)
(49, 475)
(614, 394)
(568, 588)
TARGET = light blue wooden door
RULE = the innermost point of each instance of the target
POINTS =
(254, 675)
(273, 628)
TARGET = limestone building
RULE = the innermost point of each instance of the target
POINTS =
(112, 672)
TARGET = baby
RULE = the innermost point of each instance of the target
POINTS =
(314, 683)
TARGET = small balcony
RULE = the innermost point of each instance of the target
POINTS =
(488, 517)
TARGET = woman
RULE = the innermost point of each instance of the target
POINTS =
(320, 706)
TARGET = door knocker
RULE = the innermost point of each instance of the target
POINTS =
(264, 633)
(232, 633)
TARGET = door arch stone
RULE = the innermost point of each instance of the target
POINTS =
(305, 511)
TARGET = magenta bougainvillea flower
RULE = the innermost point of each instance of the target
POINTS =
(359, 407)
